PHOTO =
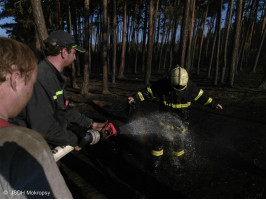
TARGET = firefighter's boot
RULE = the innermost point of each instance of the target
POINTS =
(178, 159)
(156, 159)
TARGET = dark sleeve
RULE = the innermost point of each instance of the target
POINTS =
(200, 96)
(76, 117)
(150, 92)
(40, 116)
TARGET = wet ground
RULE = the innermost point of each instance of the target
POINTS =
(227, 157)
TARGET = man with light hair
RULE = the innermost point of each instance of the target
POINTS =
(27, 166)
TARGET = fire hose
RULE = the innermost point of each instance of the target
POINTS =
(91, 137)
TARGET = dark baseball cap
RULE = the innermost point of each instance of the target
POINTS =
(64, 39)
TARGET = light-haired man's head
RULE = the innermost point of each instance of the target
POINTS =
(15, 56)
(18, 73)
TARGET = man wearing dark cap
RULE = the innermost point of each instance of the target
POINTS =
(48, 111)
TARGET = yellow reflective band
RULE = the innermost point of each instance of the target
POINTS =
(185, 130)
(58, 93)
(208, 102)
(178, 128)
(75, 47)
(150, 91)
(186, 105)
(199, 95)
(141, 96)
(180, 153)
(157, 153)
(165, 103)
(171, 127)
(161, 123)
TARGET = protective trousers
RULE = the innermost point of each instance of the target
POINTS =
(172, 136)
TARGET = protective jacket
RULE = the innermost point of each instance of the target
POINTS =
(48, 111)
(175, 102)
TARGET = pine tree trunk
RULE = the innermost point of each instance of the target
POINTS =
(104, 49)
(58, 17)
(154, 49)
(173, 43)
(236, 41)
(245, 36)
(114, 41)
(212, 53)
(194, 42)
(184, 33)
(150, 44)
(218, 41)
(39, 20)
(226, 40)
(123, 53)
(137, 43)
(167, 47)
(189, 52)
(258, 52)
(161, 48)
(86, 74)
(202, 37)
(133, 40)
(144, 36)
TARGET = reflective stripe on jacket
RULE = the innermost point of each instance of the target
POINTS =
(175, 101)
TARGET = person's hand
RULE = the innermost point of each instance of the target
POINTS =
(131, 100)
(98, 126)
(219, 106)
(77, 148)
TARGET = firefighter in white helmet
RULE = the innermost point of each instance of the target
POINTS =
(175, 94)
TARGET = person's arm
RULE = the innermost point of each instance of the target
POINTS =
(74, 116)
(148, 93)
(202, 97)
(40, 116)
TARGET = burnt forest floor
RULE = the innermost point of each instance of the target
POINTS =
(227, 157)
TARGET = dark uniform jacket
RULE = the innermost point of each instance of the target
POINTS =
(48, 112)
(175, 102)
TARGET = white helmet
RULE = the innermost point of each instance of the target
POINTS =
(178, 78)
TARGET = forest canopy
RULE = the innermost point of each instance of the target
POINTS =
(216, 37)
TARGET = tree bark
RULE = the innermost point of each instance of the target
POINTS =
(150, 44)
(226, 40)
(104, 49)
(123, 53)
(259, 51)
(184, 33)
(114, 41)
(212, 53)
(190, 34)
(86, 75)
(144, 36)
(236, 41)
(58, 15)
(162, 47)
(218, 41)
(202, 37)
(39, 20)
(245, 35)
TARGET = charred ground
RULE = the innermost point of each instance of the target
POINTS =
(228, 160)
